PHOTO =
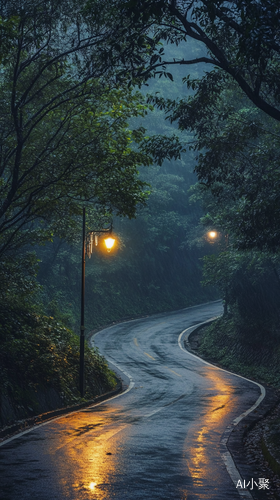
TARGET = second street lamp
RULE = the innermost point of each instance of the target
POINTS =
(89, 241)
(212, 235)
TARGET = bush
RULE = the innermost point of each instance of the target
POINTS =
(37, 351)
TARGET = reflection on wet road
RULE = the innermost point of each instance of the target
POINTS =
(159, 441)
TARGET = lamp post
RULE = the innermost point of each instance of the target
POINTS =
(212, 235)
(82, 332)
(88, 240)
(226, 299)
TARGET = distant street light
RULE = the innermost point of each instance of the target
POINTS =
(89, 241)
(212, 234)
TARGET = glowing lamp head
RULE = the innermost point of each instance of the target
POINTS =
(109, 243)
(212, 235)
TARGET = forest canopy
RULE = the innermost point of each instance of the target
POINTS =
(65, 138)
(241, 38)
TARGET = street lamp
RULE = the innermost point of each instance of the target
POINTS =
(109, 243)
(212, 235)
(89, 241)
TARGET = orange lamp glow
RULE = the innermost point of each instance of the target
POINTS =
(109, 242)
(212, 234)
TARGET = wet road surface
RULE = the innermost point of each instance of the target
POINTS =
(158, 441)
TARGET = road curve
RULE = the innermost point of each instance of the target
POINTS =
(158, 441)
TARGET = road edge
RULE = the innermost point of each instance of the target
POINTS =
(27, 425)
(232, 439)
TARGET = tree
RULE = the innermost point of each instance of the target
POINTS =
(8, 29)
(239, 42)
(153, 269)
(64, 135)
(240, 37)
(237, 153)
(250, 283)
(238, 170)
(68, 154)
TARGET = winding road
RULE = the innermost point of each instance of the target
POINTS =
(159, 440)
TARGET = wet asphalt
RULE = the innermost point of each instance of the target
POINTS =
(157, 441)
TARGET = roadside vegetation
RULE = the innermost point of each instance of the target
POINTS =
(197, 151)
(39, 356)
(258, 360)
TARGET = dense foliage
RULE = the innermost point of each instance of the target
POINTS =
(156, 264)
(39, 356)
(238, 162)
(254, 359)
(233, 114)
(73, 134)
(154, 268)
(69, 138)
(64, 136)
(241, 38)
